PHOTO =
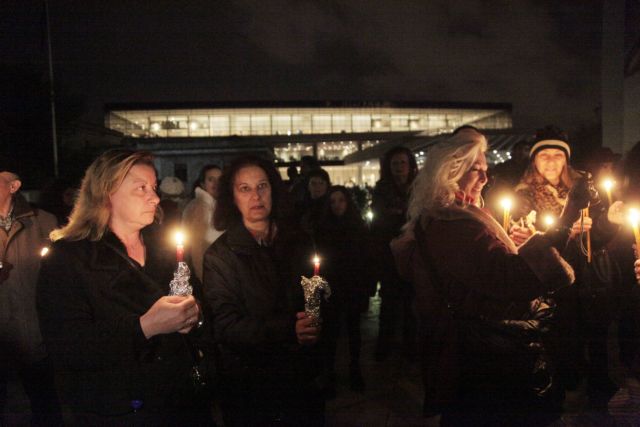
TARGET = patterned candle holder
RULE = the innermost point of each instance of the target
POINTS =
(315, 289)
(180, 284)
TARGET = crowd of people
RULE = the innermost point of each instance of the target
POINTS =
(505, 312)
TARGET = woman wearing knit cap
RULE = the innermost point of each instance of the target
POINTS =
(582, 312)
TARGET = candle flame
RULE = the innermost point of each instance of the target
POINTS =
(44, 251)
(316, 259)
(370, 215)
(506, 203)
(634, 216)
(179, 236)
(608, 184)
(549, 220)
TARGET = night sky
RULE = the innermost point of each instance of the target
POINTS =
(541, 56)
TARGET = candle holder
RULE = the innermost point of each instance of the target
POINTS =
(180, 285)
(314, 289)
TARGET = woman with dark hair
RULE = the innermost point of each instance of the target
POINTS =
(342, 242)
(198, 215)
(315, 200)
(389, 206)
(252, 281)
(116, 339)
(583, 311)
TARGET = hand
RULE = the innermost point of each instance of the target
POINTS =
(170, 314)
(520, 234)
(586, 226)
(306, 333)
(637, 270)
(578, 199)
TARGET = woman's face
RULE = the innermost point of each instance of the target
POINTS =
(474, 180)
(252, 194)
(550, 163)
(134, 203)
(338, 203)
(400, 167)
(317, 187)
(210, 184)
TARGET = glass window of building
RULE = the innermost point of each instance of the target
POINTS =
(340, 123)
(301, 123)
(261, 124)
(198, 126)
(281, 124)
(321, 123)
(361, 122)
(219, 125)
(292, 152)
(241, 125)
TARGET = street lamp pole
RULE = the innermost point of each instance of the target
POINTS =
(54, 134)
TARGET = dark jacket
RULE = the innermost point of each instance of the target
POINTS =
(90, 300)
(254, 293)
(346, 259)
(465, 257)
(20, 247)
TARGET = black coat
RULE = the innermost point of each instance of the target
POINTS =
(254, 293)
(90, 300)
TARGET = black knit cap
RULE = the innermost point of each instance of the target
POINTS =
(550, 137)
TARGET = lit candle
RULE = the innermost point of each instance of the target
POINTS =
(585, 213)
(44, 251)
(608, 184)
(634, 217)
(316, 265)
(506, 209)
(179, 246)
(549, 220)
(369, 215)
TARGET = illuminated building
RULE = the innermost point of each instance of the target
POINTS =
(186, 136)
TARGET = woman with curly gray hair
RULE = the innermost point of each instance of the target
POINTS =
(469, 276)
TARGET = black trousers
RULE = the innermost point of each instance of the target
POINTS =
(335, 315)
(38, 382)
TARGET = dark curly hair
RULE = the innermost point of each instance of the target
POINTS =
(352, 215)
(227, 212)
(385, 166)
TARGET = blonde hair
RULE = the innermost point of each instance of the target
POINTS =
(436, 184)
(91, 210)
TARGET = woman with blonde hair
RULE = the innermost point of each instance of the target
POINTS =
(115, 338)
(469, 277)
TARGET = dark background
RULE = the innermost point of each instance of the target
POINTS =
(541, 56)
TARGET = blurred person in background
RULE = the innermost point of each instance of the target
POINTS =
(24, 232)
(197, 216)
(343, 244)
(389, 207)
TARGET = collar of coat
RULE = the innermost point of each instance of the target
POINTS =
(240, 240)
(457, 212)
(21, 208)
